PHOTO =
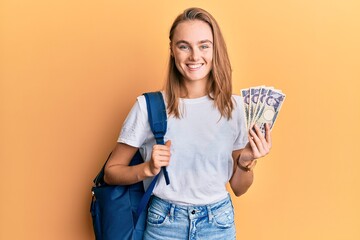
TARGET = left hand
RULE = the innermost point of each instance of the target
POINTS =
(258, 145)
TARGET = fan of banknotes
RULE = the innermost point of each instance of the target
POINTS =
(262, 105)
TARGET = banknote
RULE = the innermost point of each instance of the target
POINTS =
(263, 91)
(246, 98)
(270, 109)
(262, 105)
(254, 97)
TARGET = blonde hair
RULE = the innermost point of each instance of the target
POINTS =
(219, 86)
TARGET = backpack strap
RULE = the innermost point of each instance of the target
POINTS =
(156, 115)
(158, 124)
(158, 120)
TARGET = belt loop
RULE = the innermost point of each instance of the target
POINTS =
(210, 214)
(172, 212)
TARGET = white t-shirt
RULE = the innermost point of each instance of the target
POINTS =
(201, 148)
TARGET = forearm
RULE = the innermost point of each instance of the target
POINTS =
(126, 175)
(241, 181)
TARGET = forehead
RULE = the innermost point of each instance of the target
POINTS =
(193, 31)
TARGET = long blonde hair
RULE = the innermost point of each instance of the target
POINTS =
(219, 86)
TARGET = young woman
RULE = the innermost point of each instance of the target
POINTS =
(207, 144)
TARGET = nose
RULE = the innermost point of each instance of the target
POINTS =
(195, 54)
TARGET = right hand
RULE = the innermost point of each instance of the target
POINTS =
(160, 157)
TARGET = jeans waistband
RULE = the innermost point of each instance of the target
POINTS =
(192, 211)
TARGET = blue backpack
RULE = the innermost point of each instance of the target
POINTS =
(118, 211)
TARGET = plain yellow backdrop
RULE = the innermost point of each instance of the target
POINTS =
(71, 70)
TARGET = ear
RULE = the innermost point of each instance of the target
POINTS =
(171, 51)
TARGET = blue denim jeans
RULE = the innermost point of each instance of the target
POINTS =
(167, 221)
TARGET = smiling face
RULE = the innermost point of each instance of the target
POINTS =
(192, 49)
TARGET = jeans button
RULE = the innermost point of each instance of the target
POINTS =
(193, 212)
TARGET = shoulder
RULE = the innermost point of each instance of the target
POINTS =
(238, 110)
(236, 96)
(141, 101)
(238, 100)
(138, 109)
(141, 104)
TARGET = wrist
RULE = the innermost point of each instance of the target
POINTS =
(147, 170)
(246, 166)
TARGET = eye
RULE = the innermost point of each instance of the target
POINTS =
(204, 46)
(183, 47)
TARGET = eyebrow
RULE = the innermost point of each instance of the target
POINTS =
(200, 42)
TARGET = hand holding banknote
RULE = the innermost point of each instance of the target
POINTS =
(261, 107)
(259, 146)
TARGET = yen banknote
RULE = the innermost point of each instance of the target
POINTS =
(262, 105)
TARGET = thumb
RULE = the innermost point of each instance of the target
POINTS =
(168, 143)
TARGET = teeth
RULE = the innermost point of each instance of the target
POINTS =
(194, 66)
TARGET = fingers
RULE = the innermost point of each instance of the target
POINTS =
(162, 152)
(257, 136)
(166, 146)
(268, 135)
(168, 143)
(160, 157)
(256, 153)
(260, 145)
(257, 132)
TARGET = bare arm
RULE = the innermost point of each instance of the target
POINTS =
(258, 147)
(241, 180)
(118, 171)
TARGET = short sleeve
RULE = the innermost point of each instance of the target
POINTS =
(239, 116)
(135, 127)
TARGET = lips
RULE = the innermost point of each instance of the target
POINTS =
(194, 66)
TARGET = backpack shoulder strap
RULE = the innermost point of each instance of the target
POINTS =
(156, 115)
(157, 120)
(158, 124)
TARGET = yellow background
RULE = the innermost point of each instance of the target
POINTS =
(71, 70)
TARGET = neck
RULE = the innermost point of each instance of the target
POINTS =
(194, 89)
